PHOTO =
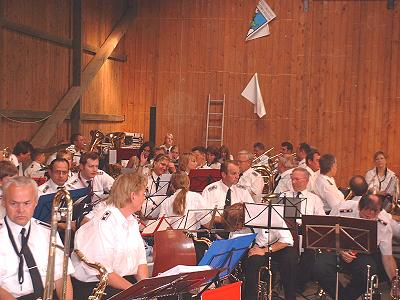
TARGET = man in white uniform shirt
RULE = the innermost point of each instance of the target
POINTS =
(25, 243)
(285, 167)
(368, 207)
(58, 172)
(312, 166)
(21, 154)
(99, 182)
(201, 157)
(302, 152)
(37, 168)
(279, 245)
(325, 185)
(311, 205)
(112, 238)
(152, 205)
(226, 191)
(249, 178)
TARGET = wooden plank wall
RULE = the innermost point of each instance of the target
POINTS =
(328, 77)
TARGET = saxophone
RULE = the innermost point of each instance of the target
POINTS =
(98, 291)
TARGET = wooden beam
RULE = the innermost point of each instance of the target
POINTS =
(63, 42)
(390, 4)
(37, 115)
(76, 62)
(43, 136)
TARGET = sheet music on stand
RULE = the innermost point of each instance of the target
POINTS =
(155, 196)
(262, 215)
(292, 206)
(163, 223)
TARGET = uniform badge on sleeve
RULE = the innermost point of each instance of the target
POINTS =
(106, 215)
(349, 210)
(212, 188)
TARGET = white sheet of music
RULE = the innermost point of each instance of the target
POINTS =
(256, 215)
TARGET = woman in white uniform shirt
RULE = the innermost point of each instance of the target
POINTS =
(112, 238)
(380, 178)
(183, 200)
(187, 162)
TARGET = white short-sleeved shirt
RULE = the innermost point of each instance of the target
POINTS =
(326, 189)
(266, 237)
(13, 158)
(384, 231)
(216, 165)
(386, 183)
(39, 240)
(2, 208)
(285, 183)
(35, 170)
(215, 194)
(254, 184)
(192, 220)
(49, 187)
(151, 206)
(101, 184)
(112, 240)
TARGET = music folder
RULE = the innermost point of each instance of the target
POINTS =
(200, 178)
(45, 202)
(162, 286)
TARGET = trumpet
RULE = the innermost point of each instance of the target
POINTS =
(264, 291)
(372, 292)
(98, 291)
(57, 209)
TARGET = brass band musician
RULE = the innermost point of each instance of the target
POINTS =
(381, 178)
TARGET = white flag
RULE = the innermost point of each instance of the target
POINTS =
(252, 93)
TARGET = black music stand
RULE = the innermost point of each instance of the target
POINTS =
(162, 286)
(200, 178)
(339, 234)
(155, 196)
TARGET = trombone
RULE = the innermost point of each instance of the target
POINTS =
(58, 210)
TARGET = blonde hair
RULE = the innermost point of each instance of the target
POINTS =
(184, 161)
(180, 180)
(124, 186)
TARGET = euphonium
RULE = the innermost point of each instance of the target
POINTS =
(98, 291)
(97, 138)
(268, 177)
(264, 291)
(372, 292)
(60, 197)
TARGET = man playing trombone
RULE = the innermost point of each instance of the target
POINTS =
(24, 246)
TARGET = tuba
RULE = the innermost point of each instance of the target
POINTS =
(57, 210)
(98, 291)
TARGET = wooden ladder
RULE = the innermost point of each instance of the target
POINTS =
(215, 121)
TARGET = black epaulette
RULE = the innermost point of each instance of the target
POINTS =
(241, 186)
(255, 173)
(329, 182)
(106, 215)
(348, 210)
(382, 222)
(44, 224)
(45, 188)
(212, 188)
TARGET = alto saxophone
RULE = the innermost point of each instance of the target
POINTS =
(98, 291)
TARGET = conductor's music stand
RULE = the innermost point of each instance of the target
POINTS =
(162, 286)
(339, 234)
(200, 178)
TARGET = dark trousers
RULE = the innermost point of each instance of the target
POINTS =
(287, 263)
(325, 268)
(82, 290)
(305, 269)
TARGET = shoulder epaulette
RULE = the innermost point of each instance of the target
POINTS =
(31, 166)
(45, 188)
(349, 210)
(73, 182)
(382, 222)
(329, 182)
(241, 186)
(100, 172)
(255, 173)
(106, 215)
(213, 187)
(44, 224)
